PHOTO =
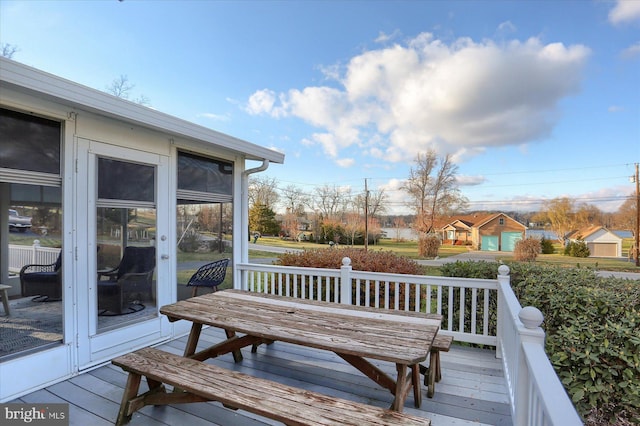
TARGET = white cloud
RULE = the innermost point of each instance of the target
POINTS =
(506, 27)
(631, 51)
(625, 11)
(345, 162)
(215, 117)
(383, 37)
(457, 98)
(264, 102)
(464, 180)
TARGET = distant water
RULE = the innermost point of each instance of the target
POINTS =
(550, 235)
(541, 233)
(623, 234)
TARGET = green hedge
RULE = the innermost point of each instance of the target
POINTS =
(593, 333)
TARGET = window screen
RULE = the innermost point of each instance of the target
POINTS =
(120, 180)
(202, 174)
(29, 143)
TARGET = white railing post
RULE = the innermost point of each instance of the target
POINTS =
(345, 281)
(34, 251)
(531, 318)
(504, 280)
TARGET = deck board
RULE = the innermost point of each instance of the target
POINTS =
(472, 390)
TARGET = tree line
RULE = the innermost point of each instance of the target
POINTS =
(334, 213)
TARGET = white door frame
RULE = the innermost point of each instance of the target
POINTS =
(95, 348)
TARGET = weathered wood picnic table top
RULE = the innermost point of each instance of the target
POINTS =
(395, 336)
(356, 334)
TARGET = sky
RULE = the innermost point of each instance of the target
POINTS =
(533, 100)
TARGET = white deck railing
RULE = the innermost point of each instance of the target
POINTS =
(535, 391)
(29, 255)
(474, 311)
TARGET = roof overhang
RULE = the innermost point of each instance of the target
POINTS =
(17, 76)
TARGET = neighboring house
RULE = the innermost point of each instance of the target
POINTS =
(458, 232)
(600, 241)
(109, 174)
(487, 232)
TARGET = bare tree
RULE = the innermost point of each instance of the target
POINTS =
(588, 215)
(625, 217)
(398, 223)
(331, 200)
(122, 87)
(263, 190)
(294, 199)
(8, 50)
(353, 225)
(433, 190)
(377, 202)
(561, 216)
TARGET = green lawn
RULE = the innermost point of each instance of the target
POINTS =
(410, 249)
(402, 248)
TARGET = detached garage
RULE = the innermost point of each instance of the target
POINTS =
(600, 241)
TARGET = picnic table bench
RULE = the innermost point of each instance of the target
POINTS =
(199, 382)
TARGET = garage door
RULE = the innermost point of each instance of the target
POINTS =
(603, 249)
(489, 243)
(509, 240)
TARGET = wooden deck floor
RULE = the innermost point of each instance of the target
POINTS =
(472, 389)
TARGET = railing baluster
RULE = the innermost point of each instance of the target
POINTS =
(485, 314)
(474, 309)
(461, 310)
(450, 310)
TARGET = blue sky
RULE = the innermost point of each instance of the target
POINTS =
(534, 99)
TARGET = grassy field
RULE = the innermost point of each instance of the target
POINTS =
(410, 249)
(402, 248)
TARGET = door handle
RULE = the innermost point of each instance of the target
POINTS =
(164, 257)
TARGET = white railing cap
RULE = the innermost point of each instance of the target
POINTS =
(531, 317)
(503, 270)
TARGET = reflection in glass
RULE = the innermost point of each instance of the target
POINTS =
(126, 261)
(34, 248)
(204, 235)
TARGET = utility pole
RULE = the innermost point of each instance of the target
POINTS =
(366, 216)
(637, 243)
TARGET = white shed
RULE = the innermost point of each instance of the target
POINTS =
(600, 241)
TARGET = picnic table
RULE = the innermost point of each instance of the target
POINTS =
(356, 334)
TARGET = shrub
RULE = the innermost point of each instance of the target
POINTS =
(428, 246)
(592, 327)
(527, 250)
(577, 249)
(361, 260)
(547, 246)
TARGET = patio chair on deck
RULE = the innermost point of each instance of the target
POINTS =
(209, 275)
(129, 283)
(42, 281)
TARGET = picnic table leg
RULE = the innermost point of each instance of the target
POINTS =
(417, 390)
(130, 392)
(433, 369)
(192, 342)
(237, 355)
(400, 393)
